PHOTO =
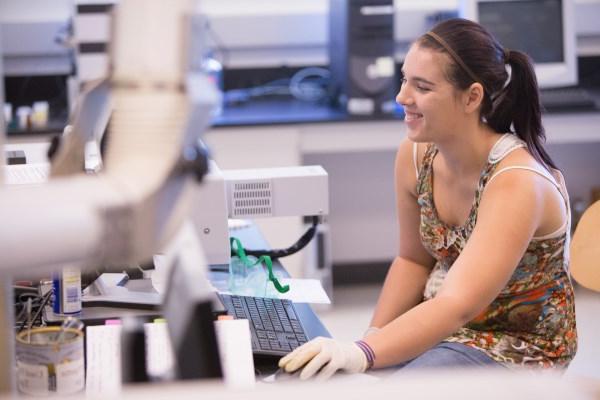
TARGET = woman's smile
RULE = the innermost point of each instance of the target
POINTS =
(412, 119)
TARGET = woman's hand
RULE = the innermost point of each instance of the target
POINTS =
(325, 356)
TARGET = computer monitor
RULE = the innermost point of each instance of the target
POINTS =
(188, 308)
(544, 29)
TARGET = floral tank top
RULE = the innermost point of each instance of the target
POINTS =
(531, 322)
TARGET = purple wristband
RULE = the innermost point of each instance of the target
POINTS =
(369, 353)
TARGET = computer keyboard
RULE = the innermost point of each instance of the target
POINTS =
(275, 328)
(571, 98)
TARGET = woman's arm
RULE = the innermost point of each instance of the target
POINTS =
(511, 210)
(406, 278)
(402, 290)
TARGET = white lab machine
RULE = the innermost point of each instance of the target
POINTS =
(254, 193)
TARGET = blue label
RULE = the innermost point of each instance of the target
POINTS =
(56, 297)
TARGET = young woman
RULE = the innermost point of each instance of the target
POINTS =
(481, 277)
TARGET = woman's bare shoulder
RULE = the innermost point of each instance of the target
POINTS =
(408, 162)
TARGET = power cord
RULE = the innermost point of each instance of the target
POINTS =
(296, 247)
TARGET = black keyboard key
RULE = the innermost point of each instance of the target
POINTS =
(279, 308)
(301, 338)
(284, 347)
(297, 327)
(290, 311)
(261, 334)
(258, 325)
(268, 326)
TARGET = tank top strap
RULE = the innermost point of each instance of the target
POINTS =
(415, 161)
(424, 173)
(507, 143)
(504, 146)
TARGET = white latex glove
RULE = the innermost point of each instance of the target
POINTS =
(327, 355)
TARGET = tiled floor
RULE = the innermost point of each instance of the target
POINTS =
(353, 305)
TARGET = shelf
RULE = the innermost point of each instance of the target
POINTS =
(53, 126)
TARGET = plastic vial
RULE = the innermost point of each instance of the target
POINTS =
(39, 114)
(23, 117)
(7, 113)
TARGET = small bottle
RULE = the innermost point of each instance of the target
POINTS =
(8, 114)
(67, 291)
(24, 117)
(39, 114)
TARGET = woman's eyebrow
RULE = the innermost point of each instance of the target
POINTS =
(423, 80)
(417, 78)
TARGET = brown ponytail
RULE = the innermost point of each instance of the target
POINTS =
(511, 103)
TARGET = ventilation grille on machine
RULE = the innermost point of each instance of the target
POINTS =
(252, 199)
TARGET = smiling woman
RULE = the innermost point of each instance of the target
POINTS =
(429, 99)
(481, 276)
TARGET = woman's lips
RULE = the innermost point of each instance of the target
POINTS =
(410, 115)
(412, 118)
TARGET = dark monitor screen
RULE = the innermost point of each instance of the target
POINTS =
(544, 29)
(187, 306)
(532, 26)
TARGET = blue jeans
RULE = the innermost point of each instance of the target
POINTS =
(449, 355)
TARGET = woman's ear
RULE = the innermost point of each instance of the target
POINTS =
(473, 97)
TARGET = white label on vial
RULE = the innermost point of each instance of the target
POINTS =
(71, 286)
(32, 379)
(69, 376)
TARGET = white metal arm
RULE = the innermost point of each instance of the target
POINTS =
(136, 204)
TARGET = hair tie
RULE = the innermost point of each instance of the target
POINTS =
(455, 57)
(506, 55)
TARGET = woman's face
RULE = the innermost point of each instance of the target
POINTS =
(431, 104)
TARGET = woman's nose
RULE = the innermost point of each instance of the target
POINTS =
(402, 96)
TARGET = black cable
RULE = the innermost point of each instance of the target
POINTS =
(38, 313)
(38, 302)
(296, 247)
